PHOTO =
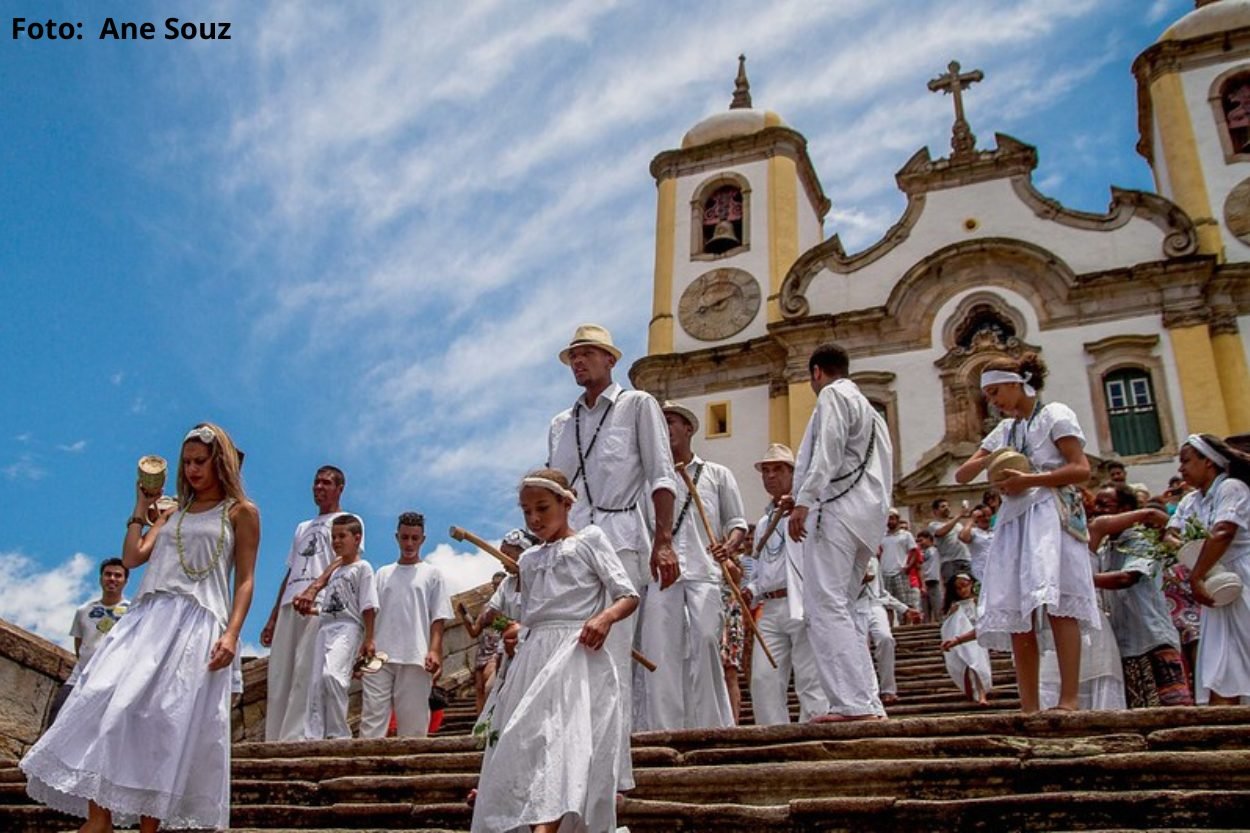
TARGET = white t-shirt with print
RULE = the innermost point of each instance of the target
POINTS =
(349, 594)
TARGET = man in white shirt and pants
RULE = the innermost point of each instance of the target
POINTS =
(681, 626)
(777, 582)
(613, 446)
(844, 472)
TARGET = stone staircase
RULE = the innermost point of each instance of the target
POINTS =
(939, 764)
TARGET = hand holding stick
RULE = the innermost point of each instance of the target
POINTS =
(747, 619)
(459, 534)
(773, 523)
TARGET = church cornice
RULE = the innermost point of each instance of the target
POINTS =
(1180, 237)
(1173, 56)
(757, 362)
(763, 144)
(922, 173)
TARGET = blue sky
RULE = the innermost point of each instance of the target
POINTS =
(359, 233)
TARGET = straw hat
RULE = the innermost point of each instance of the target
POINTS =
(777, 453)
(591, 335)
(683, 412)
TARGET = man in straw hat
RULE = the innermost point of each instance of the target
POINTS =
(681, 625)
(777, 583)
(613, 447)
(844, 476)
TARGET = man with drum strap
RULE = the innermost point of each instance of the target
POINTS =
(681, 625)
(844, 478)
(613, 447)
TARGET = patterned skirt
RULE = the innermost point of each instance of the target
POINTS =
(1186, 614)
(734, 635)
(1156, 678)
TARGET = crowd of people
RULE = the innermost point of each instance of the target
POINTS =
(637, 590)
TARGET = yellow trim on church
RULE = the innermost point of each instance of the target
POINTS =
(802, 401)
(779, 419)
(1230, 364)
(783, 227)
(1199, 377)
(660, 332)
(1184, 167)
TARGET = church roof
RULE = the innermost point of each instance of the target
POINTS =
(1210, 18)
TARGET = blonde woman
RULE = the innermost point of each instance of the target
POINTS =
(146, 733)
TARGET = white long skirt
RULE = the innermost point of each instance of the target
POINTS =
(969, 656)
(1034, 566)
(147, 730)
(1102, 673)
(552, 739)
(1223, 665)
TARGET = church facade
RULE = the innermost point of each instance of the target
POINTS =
(1138, 312)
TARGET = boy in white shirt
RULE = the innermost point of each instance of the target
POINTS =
(931, 572)
(347, 614)
(92, 622)
(412, 604)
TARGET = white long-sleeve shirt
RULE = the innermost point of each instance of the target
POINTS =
(718, 491)
(779, 565)
(837, 439)
(619, 460)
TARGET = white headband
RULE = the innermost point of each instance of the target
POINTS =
(203, 433)
(1006, 377)
(550, 485)
(1204, 448)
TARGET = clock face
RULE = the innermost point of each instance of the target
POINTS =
(719, 304)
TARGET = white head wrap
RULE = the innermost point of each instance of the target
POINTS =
(202, 433)
(1006, 377)
(1204, 448)
(550, 485)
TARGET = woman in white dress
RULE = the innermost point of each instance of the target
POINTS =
(553, 733)
(1220, 502)
(1038, 581)
(967, 662)
(146, 733)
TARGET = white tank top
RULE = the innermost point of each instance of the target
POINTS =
(202, 568)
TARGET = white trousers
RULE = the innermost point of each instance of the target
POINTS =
(787, 641)
(875, 628)
(681, 633)
(836, 561)
(338, 643)
(400, 687)
(290, 667)
(618, 645)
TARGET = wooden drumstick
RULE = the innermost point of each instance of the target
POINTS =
(747, 619)
(510, 565)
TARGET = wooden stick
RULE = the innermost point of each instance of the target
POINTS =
(747, 619)
(510, 565)
(768, 533)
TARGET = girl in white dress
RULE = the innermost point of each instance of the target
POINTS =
(966, 661)
(1221, 503)
(553, 734)
(1038, 579)
(146, 732)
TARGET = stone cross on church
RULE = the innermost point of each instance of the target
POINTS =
(963, 143)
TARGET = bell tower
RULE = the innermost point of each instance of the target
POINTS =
(736, 205)
(1193, 98)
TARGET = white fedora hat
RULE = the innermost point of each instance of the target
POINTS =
(683, 412)
(777, 453)
(591, 335)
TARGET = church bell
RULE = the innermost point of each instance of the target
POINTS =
(723, 237)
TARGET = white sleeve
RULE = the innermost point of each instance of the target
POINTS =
(438, 601)
(1232, 504)
(367, 593)
(828, 444)
(657, 457)
(997, 438)
(1063, 423)
(606, 564)
(732, 512)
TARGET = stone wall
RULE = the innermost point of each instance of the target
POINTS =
(248, 715)
(31, 671)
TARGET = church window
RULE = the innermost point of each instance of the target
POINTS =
(1235, 100)
(1131, 412)
(718, 420)
(984, 321)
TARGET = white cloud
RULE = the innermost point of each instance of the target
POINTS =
(117, 378)
(252, 649)
(44, 601)
(24, 468)
(24, 438)
(1159, 9)
(74, 448)
(138, 405)
(462, 570)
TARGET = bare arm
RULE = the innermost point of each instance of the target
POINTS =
(1074, 470)
(1115, 581)
(367, 648)
(973, 466)
(266, 635)
(246, 520)
(77, 646)
(1106, 525)
(434, 658)
(137, 546)
(306, 601)
(1213, 549)
(595, 631)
